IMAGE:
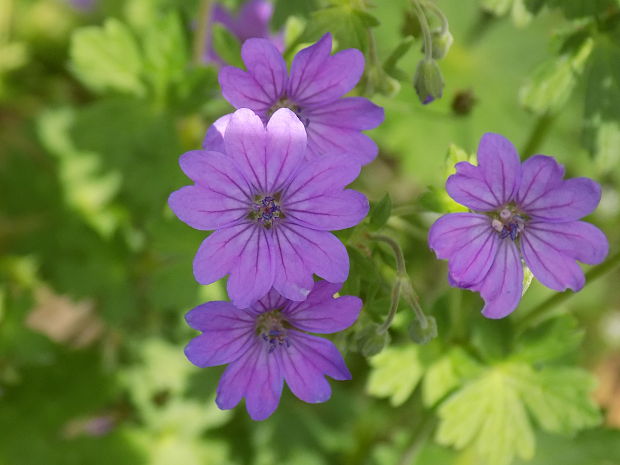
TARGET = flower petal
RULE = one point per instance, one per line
(322, 252)
(316, 77)
(550, 251)
(321, 312)
(218, 316)
(293, 277)
(253, 19)
(320, 177)
(491, 184)
(576, 239)
(286, 146)
(205, 209)
(329, 212)
(325, 139)
(253, 274)
(356, 113)
(266, 65)
(571, 200)
(214, 138)
(539, 175)
(241, 90)
(218, 253)
(502, 287)
(255, 376)
(245, 142)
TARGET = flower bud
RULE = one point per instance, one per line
(442, 41)
(428, 81)
(370, 341)
(423, 335)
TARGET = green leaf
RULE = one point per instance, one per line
(553, 82)
(348, 25)
(489, 415)
(395, 373)
(446, 374)
(226, 45)
(380, 213)
(107, 58)
(549, 341)
(581, 8)
(165, 53)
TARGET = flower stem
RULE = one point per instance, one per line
(200, 39)
(539, 132)
(435, 9)
(394, 301)
(548, 307)
(426, 31)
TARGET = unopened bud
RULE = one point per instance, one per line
(442, 41)
(423, 332)
(370, 341)
(428, 81)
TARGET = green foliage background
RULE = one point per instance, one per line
(96, 107)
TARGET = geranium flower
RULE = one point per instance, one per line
(521, 211)
(271, 209)
(251, 21)
(266, 344)
(313, 90)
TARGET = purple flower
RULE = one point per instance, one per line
(267, 344)
(271, 209)
(252, 21)
(313, 90)
(520, 211)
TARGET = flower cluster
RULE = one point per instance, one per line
(521, 212)
(270, 182)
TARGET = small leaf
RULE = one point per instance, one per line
(395, 373)
(226, 45)
(380, 213)
(107, 58)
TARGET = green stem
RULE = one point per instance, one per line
(539, 132)
(426, 31)
(200, 39)
(445, 26)
(422, 433)
(394, 301)
(401, 270)
(549, 307)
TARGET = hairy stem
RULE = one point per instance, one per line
(426, 31)
(394, 301)
(200, 38)
(549, 307)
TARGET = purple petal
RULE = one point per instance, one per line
(321, 312)
(253, 274)
(286, 146)
(539, 175)
(503, 285)
(322, 176)
(215, 171)
(305, 364)
(206, 209)
(571, 200)
(253, 20)
(577, 239)
(228, 334)
(255, 376)
(214, 139)
(241, 90)
(220, 14)
(356, 113)
(266, 65)
(322, 252)
(293, 278)
(244, 252)
(272, 300)
(329, 212)
(316, 77)
(491, 184)
(324, 139)
(550, 251)
(245, 142)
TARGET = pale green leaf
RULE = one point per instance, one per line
(107, 58)
(446, 374)
(395, 373)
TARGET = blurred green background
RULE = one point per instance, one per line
(98, 100)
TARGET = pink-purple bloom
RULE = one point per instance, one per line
(520, 212)
(268, 344)
(313, 90)
(251, 21)
(271, 208)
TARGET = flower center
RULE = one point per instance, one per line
(266, 210)
(271, 327)
(509, 222)
(284, 102)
